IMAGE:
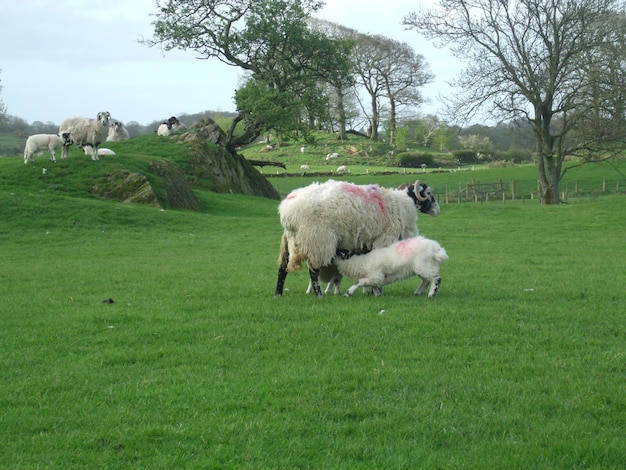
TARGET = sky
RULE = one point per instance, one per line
(67, 58)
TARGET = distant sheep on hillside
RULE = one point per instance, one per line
(38, 143)
(117, 132)
(170, 127)
(84, 131)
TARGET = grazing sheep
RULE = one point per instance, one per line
(38, 143)
(332, 156)
(343, 169)
(417, 256)
(117, 132)
(85, 131)
(320, 219)
(170, 127)
(305, 167)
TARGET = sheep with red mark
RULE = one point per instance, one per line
(38, 143)
(416, 256)
(322, 218)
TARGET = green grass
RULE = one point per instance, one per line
(518, 363)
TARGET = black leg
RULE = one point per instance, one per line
(315, 281)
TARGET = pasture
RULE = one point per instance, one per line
(518, 363)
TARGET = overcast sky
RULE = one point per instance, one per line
(77, 57)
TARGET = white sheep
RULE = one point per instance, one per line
(343, 169)
(117, 132)
(170, 127)
(38, 143)
(85, 131)
(332, 156)
(320, 219)
(88, 149)
(417, 256)
(305, 167)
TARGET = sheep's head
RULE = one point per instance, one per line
(422, 196)
(104, 118)
(117, 125)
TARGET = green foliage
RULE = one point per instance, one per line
(465, 156)
(196, 363)
(415, 160)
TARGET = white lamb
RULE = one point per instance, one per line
(343, 169)
(38, 143)
(85, 132)
(320, 219)
(417, 256)
(117, 132)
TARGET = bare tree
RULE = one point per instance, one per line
(530, 59)
(403, 73)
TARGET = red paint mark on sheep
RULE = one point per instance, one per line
(408, 247)
(370, 194)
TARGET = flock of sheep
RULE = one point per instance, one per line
(88, 134)
(364, 232)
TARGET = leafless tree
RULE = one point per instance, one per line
(536, 59)
(3, 108)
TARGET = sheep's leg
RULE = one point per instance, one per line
(282, 275)
(434, 288)
(422, 287)
(315, 281)
(363, 282)
(94, 155)
(53, 157)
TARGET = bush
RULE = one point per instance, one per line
(518, 156)
(415, 160)
(465, 156)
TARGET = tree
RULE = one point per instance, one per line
(3, 108)
(268, 38)
(403, 73)
(531, 59)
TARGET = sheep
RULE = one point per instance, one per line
(305, 167)
(38, 143)
(170, 127)
(85, 131)
(88, 149)
(319, 219)
(343, 169)
(117, 132)
(332, 156)
(416, 256)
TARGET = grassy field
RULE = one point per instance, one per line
(518, 363)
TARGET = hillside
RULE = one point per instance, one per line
(149, 169)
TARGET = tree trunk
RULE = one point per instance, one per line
(392, 121)
(548, 174)
(341, 114)
(374, 120)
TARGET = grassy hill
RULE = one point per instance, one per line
(136, 337)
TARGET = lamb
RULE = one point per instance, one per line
(85, 132)
(343, 169)
(117, 132)
(38, 143)
(320, 219)
(417, 256)
(88, 149)
(170, 127)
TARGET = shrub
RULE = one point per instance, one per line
(415, 160)
(465, 156)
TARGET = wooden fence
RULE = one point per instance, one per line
(476, 191)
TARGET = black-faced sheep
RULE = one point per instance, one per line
(38, 143)
(320, 219)
(85, 132)
(117, 132)
(170, 127)
(417, 256)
